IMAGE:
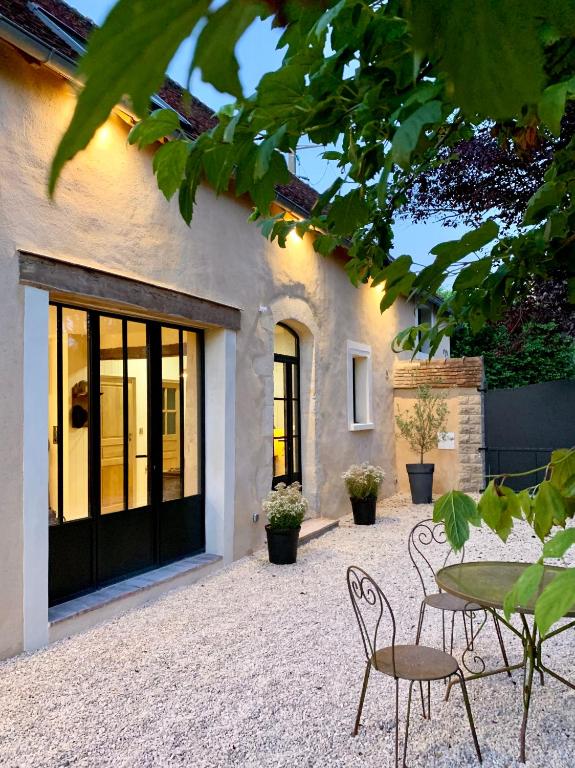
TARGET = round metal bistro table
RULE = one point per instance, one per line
(485, 584)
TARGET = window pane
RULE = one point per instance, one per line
(284, 342)
(279, 389)
(279, 458)
(75, 412)
(279, 418)
(137, 415)
(52, 416)
(192, 411)
(172, 470)
(111, 415)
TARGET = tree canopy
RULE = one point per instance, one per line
(391, 87)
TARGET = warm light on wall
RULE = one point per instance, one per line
(294, 237)
(102, 136)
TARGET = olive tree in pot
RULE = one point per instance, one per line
(285, 508)
(362, 482)
(421, 427)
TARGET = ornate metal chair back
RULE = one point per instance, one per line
(430, 551)
(373, 613)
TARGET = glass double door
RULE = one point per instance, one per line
(125, 447)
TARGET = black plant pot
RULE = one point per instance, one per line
(282, 545)
(420, 482)
(364, 511)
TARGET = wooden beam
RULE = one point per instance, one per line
(93, 288)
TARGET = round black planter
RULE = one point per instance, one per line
(420, 482)
(363, 511)
(282, 545)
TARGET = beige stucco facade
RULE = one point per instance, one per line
(108, 214)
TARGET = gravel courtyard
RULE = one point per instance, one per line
(261, 665)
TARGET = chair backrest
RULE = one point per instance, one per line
(430, 551)
(372, 611)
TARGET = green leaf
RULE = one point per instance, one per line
(407, 135)
(547, 197)
(324, 244)
(470, 242)
(559, 544)
(551, 106)
(473, 275)
(162, 122)
(170, 165)
(265, 151)
(218, 162)
(215, 50)
(557, 599)
(456, 510)
(193, 175)
(527, 504)
(127, 55)
(490, 506)
(347, 213)
(491, 53)
(549, 509)
(562, 468)
(523, 590)
(263, 191)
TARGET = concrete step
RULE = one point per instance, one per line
(317, 526)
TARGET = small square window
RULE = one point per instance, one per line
(359, 385)
(424, 315)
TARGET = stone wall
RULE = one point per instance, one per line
(460, 381)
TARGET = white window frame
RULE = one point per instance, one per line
(363, 351)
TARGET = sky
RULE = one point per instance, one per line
(257, 54)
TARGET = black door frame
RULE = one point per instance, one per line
(169, 530)
(290, 363)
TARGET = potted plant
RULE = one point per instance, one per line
(362, 482)
(285, 508)
(421, 428)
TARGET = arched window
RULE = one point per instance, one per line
(287, 454)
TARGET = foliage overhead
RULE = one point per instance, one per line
(421, 425)
(547, 507)
(394, 86)
(515, 353)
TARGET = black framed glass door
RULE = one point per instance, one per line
(125, 447)
(286, 440)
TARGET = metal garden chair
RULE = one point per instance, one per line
(429, 551)
(415, 663)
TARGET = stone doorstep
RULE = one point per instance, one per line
(315, 527)
(136, 586)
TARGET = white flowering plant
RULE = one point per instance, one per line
(363, 480)
(285, 506)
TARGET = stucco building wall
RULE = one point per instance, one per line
(109, 214)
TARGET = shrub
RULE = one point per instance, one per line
(363, 480)
(285, 506)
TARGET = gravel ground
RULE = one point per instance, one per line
(261, 665)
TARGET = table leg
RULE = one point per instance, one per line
(531, 654)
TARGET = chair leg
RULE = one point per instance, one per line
(452, 626)
(501, 643)
(407, 724)
(420, 623)
(396, 723)
(422, 700)
(362, 697)
(459, 674)
(443, 630)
